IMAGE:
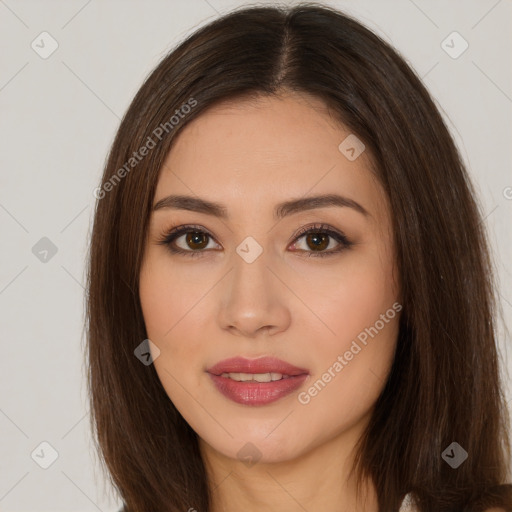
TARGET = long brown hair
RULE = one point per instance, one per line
(444, 385)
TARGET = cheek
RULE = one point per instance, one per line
(167, 293)
(173, 307)
(167, 300)
(359, 301)
(352, 296)
(359, 305)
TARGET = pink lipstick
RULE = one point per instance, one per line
(256, 381)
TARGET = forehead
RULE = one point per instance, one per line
(292, 126)
(266, 149)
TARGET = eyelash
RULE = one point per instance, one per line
(169, 237)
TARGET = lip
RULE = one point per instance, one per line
(260, 365)
(256, 393)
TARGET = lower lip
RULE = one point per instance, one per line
(257, 393)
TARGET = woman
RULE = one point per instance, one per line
(290, 297)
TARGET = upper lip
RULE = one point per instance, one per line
(261, 365)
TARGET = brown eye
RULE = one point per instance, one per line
(189, 240)
(317, 241)
(196, 240)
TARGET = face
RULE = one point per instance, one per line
(311, 284)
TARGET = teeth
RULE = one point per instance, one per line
(258, 377)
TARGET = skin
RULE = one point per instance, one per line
(307, 311)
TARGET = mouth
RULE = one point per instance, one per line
(256, 377)
(256, 381)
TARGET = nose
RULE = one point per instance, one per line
(253, 299)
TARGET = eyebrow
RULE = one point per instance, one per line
(195, 204)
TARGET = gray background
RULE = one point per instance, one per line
(58, 119)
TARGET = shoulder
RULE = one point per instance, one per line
(409, 506)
